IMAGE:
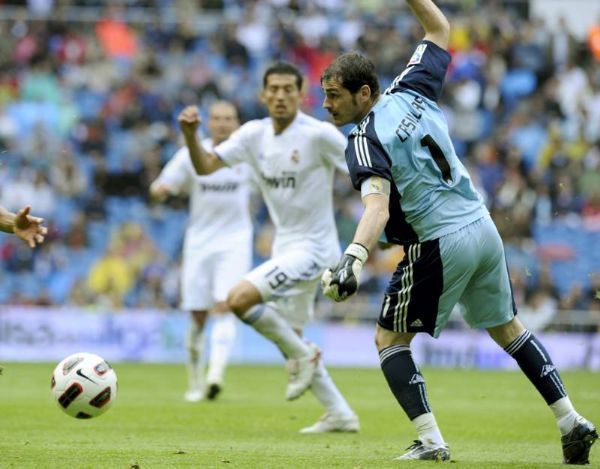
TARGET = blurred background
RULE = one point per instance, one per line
(90, 91)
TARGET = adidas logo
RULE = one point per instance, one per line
(416, 379)
(416, 323)
(547, 369)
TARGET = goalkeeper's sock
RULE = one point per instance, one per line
(267, 321)
(408, 386)
(222, 338)
(535, 362)
(195, 347)
(565, 414)
(327, 392)
(428, 430)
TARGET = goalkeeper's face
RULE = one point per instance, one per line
(344, 106)
(281, 96)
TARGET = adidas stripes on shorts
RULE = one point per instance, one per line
(467, 266)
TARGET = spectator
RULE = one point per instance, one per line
(66, 176)
(593, 40)
(111, 277)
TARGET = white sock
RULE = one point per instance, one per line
(222, 338)
(270, 324)
(327, 393)
(428, 430)
(195, 347)
(565, 415)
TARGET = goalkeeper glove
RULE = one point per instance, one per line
(342, 282)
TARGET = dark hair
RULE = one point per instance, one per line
(283, 68)
(353, 70)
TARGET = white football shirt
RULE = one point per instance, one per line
(219, 202)
(294, 171)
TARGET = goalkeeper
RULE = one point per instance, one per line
(418, 194)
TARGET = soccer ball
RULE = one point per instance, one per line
(84, 385)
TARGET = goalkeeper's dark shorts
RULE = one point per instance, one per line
(467, 266)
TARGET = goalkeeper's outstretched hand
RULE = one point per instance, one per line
(342, 282)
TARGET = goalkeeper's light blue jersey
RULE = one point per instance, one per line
(405, 140)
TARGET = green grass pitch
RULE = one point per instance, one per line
(490, 419)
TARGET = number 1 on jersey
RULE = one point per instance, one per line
(438, 156)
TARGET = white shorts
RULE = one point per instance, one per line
(209, 275)
(288, 282)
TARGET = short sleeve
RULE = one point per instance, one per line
(177, 172)
(425, 72)
(365, 156)
(332, 145)
(234, 150)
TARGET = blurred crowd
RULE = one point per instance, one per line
(89, 94)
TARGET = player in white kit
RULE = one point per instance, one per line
(292, 158)
(217, 250)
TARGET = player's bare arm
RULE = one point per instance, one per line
(7, 220)
(203, 161)
(159, 191)
(342, 282)
(373, 221)
(27, 227)
(435, 24)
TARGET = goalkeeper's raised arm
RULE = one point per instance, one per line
(204, 162)
(435, 24)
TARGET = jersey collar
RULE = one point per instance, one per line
(380, 103)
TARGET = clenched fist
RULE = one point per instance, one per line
(189, 120)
